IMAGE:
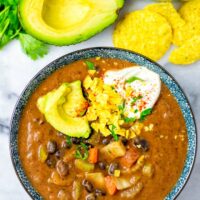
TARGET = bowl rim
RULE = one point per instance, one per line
(35, 194)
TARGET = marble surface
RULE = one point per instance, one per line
(16, 69)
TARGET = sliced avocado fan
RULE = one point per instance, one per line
(65, 22)
(61, 108)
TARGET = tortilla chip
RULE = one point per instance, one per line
(188, 53)
(144, 32)
(190, 12)
(168, 11)
(184, 33)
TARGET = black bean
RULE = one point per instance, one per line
(141, 143)
(62, 168)
(105, 141)
(60, 153)
(65, 145)
(99, 192)
(88, 186)
(51, 162)
(136, 140)
(76, 140)
(102, 165)
(112, 168)
(124, 141)
(144, 145)
(51, 146)
(90, 197)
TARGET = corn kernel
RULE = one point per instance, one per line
(117, 173)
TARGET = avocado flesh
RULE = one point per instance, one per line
(64, 22)
(52, 105)
(76, 104)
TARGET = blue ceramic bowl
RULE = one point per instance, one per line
(107, 53)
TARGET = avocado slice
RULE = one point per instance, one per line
(65, 22)
(54, 104)
(76, 104)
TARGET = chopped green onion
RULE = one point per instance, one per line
(112, 130)
(82, 151)
(90, 65)
(132, 79)
(144, 113)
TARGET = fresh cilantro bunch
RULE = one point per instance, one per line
(10, 28)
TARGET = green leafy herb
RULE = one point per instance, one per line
(10, 28)
(32, 47)
(129, 119)
(82, 151)
(112, 130)
(136, 111)
(132, 79)
(135, 99)
(68, 140)
(90, 65)
(9, 22)
(144, 113)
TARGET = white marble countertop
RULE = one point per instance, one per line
(16, 70)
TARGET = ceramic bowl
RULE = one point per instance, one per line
(107, 53)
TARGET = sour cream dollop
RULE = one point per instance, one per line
(139, 86)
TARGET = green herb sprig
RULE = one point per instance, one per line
(144, 113)
(122, 107)
(112, 131)
(129, 119)
(90, 65)
(132, 79)
(136, 99)
(10, 28)
(68, 140)
(32, 47)
(82, 151)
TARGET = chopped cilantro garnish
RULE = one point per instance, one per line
(144, 113)
(129, 119)
(136, 111)
(68, 140)
(112, 130)
(122, 106)
(81, 151)
(112, 87)
(133, 78)
(135, 99)
(90, 65)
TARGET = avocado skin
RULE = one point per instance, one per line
(52, 106)
(61, 40)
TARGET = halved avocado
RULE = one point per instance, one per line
(52, 105)
(65, 22)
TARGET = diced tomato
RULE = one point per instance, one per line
(129, 158)
(110, 185)
(93, 155)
